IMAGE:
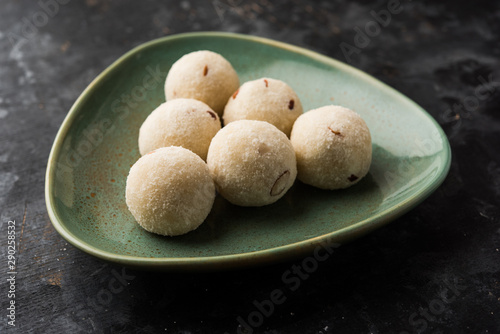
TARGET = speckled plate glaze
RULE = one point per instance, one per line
(97, 144)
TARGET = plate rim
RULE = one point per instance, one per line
(243, 259)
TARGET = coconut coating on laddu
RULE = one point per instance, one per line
(333, 147)
(264, 99)
(170, 191)
(181, 122)
(202, 75)
(252, 163)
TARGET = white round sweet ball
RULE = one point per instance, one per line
(170, 191)
(333, 147)
(181, 122)
(252, 163)
(202, 75)
(264, 99)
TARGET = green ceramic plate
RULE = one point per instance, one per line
(97, 144)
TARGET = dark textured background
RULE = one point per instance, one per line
(435, 270)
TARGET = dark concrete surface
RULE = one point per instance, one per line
(435, 270)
